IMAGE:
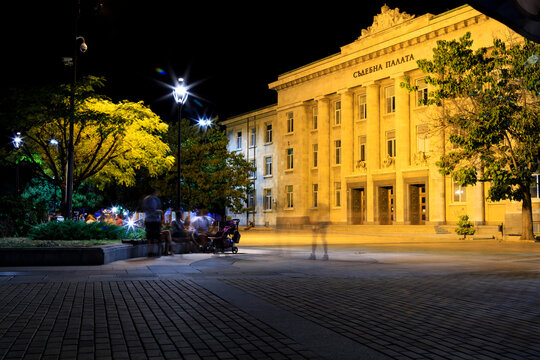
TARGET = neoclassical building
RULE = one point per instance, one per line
(346, 143)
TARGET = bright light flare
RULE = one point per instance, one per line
(180, 92)
(53, 142)
(130, 224)
(17, 140)
(204, 123)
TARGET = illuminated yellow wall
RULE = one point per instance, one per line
(382, 57)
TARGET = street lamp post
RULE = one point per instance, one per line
(17, 142)
(180, 95)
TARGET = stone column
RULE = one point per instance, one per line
(437, 187)
(403, 146)
(323, 134)
(347, 148)
(373, 146)
(476, 203)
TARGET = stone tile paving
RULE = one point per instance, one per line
(460, 316)
(161, 319)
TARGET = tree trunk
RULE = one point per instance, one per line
(526, 216)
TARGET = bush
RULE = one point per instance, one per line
(75, 230)
(17, 216)
(465, 227)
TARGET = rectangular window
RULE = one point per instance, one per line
(251, 199)
(421, 92)
(315, 155)
(362, 107)
(390, 99)
(268, 134)
(337, 113)
(337, 145)
(337, 189)
(391, 143)
(315, 121)
(253, 138)
(290, 122)
(268, 166)
(535, 186)
(253, 174)
(460, 193)
(267, 199)
(362, 143)
(315, 196)
(290, 159)
(289, 192)
(239, 140)
(422, 138)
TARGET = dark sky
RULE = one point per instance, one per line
(231, 51)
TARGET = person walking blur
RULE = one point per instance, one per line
(153, 217)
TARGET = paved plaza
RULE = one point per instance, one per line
(420, 299)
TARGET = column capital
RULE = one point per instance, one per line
(398, 76)
(345, 91)
(322, 98)
(371, 83)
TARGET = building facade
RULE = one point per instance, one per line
(352, 146)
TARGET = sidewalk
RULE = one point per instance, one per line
(390, 300)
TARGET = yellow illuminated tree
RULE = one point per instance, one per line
(111, 140)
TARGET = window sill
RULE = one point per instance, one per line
(288, 209)
(289, 170)
(267, 210)
(289, 133)
(267, 176)
(268, 143)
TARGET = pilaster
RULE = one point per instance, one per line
(403, 145)
(373, 146)
(323, 134)
(347, 147)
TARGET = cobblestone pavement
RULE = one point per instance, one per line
(394, 302)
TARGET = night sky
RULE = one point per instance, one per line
(228, 51)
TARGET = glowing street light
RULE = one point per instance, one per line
(17, 140)
(180, 95)
(204, 123)
(17, 143)
(180, 92)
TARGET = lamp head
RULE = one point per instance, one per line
(17, 140)
(180, 92)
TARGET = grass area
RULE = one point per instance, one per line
(28, 243)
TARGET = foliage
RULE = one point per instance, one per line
(465, 227)
(212, 177)
(111, 140)
(17, 216)
(490, 107)
(27, 243)
(43, 192)
(76, 230)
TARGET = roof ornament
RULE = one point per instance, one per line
(386, 19)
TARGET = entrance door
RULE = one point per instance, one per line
(418, 204)
(358, 209)
(386, 205)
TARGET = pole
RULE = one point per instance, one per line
(179, 189)
(68, 201)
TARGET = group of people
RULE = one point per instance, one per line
(195, 233)
(117, 219)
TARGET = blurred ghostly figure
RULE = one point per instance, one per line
(319, 228)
